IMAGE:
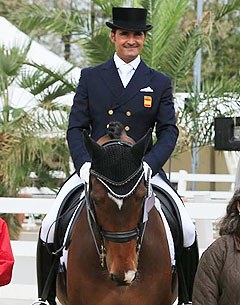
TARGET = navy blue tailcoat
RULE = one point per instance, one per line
(145, 103)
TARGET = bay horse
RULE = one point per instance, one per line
(113, 257)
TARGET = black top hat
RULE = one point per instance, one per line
(131, 19)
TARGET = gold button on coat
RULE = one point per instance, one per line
(127, 128)
(128, 113)
(110, 112)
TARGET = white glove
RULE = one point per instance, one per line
(85, 172)
(147, 170)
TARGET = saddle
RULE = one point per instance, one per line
(65, 213)
(186, 258)
(171, 212)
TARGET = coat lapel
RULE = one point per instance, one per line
(140, 79)
(111, 78)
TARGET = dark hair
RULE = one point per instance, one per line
(114, 31)
(230, 223)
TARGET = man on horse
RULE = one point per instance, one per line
(122, 89)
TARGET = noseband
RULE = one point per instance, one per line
(121, 237)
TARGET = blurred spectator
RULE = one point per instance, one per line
(217, 278)
(6, 255)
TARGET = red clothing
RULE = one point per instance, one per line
(6, 255)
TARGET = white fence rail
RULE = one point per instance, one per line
(24, 281)
(205, 208)
(183, 178)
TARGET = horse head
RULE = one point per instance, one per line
(116, 199)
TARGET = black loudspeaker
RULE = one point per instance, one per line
(227, 133)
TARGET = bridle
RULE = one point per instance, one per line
(117, 237)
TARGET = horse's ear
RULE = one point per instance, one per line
(93, 148)
(140, 148)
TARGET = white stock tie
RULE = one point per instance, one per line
(126, 73)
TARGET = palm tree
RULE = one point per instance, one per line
(31, 139)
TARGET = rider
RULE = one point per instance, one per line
(140, 98)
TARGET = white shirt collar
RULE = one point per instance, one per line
(134, 63)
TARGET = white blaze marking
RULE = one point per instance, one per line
(118, 201)
(130, 276)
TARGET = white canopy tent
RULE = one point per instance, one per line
(11, 36)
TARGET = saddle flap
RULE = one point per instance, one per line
(171, 212)
(65, 213)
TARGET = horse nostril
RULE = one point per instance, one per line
(114, 277)
(117, 279)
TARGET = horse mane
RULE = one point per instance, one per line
(115, 131)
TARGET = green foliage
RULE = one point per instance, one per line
(31, 139)
(7, 7)
(165, 16)
(225, 49)
(225, 10)
(39, 19)
(106, 6)
(11, 61)
(98, 48)
(46, 83)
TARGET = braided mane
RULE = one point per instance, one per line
(115, 130)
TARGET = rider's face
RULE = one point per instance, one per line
(128, 44)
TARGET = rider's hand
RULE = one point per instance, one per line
(84, 172)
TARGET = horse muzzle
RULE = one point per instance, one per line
(122, 262)
(124, 280)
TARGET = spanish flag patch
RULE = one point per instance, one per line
(147, 101)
